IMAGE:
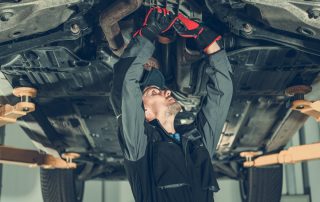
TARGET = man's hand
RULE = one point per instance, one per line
(205, 37)
(158, 20)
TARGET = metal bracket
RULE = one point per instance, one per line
(294, 154)
(72, 30)
(31, 158)
(10, 114)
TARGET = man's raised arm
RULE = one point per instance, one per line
(215, 106)
(126, 95)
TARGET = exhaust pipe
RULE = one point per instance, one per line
(109, 19)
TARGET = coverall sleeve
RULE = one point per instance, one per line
(126, 97)
(215, 106)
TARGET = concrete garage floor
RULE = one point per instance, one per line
(22, 184)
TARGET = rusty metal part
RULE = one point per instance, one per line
(109, 19)
(31, 158)
(164, 40)
(294, 154)
(190, 8)
(299, 89)
(10, 114)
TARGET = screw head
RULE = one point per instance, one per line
(247, 28)
(26, 109)
(314, 13)
(75, 29)
(300, 107)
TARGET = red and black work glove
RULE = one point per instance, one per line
(190, 29)
(158, 20)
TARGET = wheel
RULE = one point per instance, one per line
(61, 185)
(261, 184)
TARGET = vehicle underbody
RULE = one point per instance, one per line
(66, 50)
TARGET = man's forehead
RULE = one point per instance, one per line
(149, 88)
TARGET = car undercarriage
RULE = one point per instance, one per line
(66, 49)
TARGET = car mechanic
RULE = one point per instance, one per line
(165, 162)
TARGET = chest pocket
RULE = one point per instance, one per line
(169, 166)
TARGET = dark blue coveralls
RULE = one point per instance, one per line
(160, 168)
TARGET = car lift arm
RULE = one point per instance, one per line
(310, 108)
(30, 158)
(9, 155)
(294, 154)
(9, 113)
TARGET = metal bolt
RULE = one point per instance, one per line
(31, 55)
(247, 28)
(5, 16)
(95, 135)
(300, 107)
(101, 156)
(25, 109)
(314, 13)
(75, 29)
(110, 159)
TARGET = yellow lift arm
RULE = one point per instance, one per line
(9, 113)
(310, 108)
(9, 155)
(31, 158)
(294, 154)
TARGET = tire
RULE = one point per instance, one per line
(261, 184)
(61, 186)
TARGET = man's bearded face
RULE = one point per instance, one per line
(160, 101)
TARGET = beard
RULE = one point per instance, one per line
(174, 108)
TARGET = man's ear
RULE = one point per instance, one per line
(149, 115)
